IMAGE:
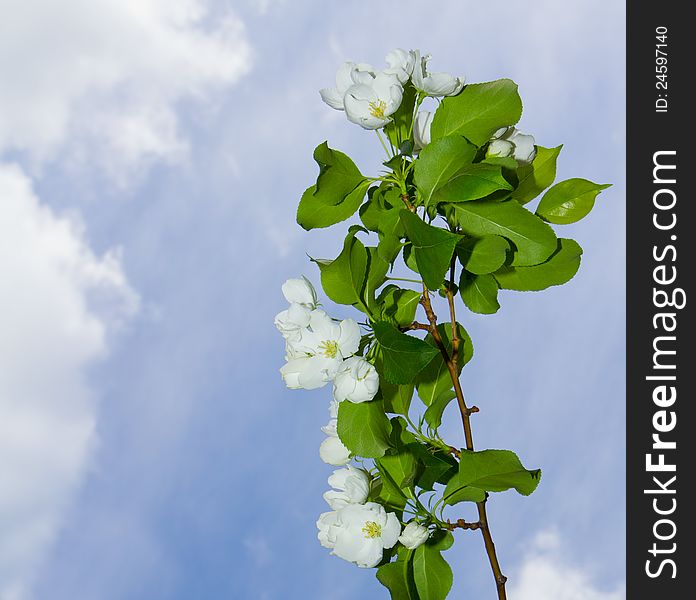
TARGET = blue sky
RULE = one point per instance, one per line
(151, 158)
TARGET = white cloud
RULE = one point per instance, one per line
(102, 79)
(545, 575)
(59, 301)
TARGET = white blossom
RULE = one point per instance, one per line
(348, 74)
(359, 533)
(329, 526)
(317, 352)
(433, 84)
(300, 291)
(400, 63)
(421, 129)
(333, 452)
(292, 321)
(356, 380)
(414, 535)
(371, 103)
(351, 486)
(509, 141)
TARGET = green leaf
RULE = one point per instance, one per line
(439, 161)
(435, 379)
(478, 111)
(457, 490)
(479, 293)
(557, 270)
(397, 305)
(397, 398)
(393, 576)
(381, 214)
(433, 248)
(471, 183)
(397, 576)
(338, 193)
(404, 356)
(537, 176)
(401, 467)
(399, 127)
(483, 255)
(496, 471)
(344, 278)
(364, 428)
(435, 466)
(533, 239)
(433, 414)
(377, 268)
(569, 201)
(410, 257)
(431, 573)
(504, 161)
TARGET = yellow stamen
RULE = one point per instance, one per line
(330, 348)
(377, 109)
(372, 530)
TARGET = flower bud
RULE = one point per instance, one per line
(414, 535)
(421, 129)
(500, 149)
(357, 381)
(351, 486)
(300, 291)
(333, 452)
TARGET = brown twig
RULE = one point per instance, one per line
(408, 203)
(465, 411)
(462, 524)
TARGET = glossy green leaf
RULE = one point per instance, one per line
(479, 293)
(569, 201)
(439, 161)
(397, 305)
(401, 467)
(397, 576)
(398, 129)
(404, 356)
(433, 248)
(431, 572)
(471, 183)
(364, 428)
(381, 214)
(435, 466)
(410, 257)
(435, 378)
(343, 279)
(557, 270)
(483, 255)
(478, 111)
(537, 176)
(393, 576)
(338, 193)
(433, 414)
(397, 398)
(458, 490)
(534, 241)
(496, 471)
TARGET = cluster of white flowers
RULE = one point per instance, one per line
(369, 97)
(319, 350)
(359, 531)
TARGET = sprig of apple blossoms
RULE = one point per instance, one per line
(447, 215)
